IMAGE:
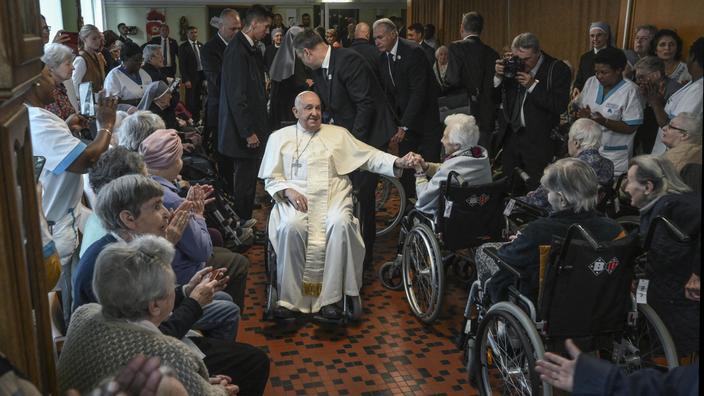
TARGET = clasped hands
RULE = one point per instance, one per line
(586, 112)
(412, 161)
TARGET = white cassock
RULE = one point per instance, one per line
(319, 253)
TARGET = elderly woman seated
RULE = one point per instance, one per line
(572, 188)
(136, 127)
(583, 143)
(131, 206)
(134, 284)
(162, 152)
(683, 139)
(672, 267)
(158, 99)
(59, 61)
(462, 156)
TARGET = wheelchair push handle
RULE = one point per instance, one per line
(453, 176)
(674, 230)
(530, 208)
(578, 228)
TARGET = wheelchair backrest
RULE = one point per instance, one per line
(470, 215)
(586, 291)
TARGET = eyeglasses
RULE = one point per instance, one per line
(669, 126)
(47, 28)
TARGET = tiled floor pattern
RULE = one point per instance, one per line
(388, 353)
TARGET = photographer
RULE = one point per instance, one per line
(534, 91)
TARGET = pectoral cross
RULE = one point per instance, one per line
(294, 167)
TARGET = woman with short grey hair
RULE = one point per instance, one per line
(572, 192)
(153, 56)
(583, 143)
(672, 266)
(134, 284)
(463, 156)
(59, 61)
(137, 127)
(683, 139)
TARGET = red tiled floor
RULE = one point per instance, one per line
(389, 352)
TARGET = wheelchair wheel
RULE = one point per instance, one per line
(354, 307)
(647, 344)
(272, 295)
(389, 211)
(390, 275)
(506, 350)
(423, 274)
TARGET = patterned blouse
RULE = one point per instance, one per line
(603, 167)
(62, 106)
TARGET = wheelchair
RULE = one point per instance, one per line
(467, 217)
(580, 295)
(351, 305)
(389, 212)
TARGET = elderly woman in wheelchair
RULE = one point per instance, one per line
(672, 264)
(565, 276)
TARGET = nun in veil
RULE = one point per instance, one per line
(158, 99)
(289, 77)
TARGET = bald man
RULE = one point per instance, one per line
(363, 45)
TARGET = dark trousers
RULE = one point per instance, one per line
(237, 268)
(428, 145)
(193, 96)
(364, 184)
(248, 366)
(519, 154)
(226, 168)
(245, 185)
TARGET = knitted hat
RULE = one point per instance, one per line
(161, 149)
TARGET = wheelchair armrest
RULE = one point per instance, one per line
(530, 208)
(674, 230)
(492, 253)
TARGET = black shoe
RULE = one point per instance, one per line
(284, 313)
(331, 312)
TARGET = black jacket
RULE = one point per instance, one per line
(269, 55)
(211, 58)
(471, 66)
(153, 72)
(354, 99)
(429, 52)
(188, 63)
(542, 107)
(173, 47)
(243, 100)
(414, 90)
(369, 53)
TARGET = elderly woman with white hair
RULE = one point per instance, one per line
(463, 156)
(683, 139)
(136, 127)
(672, 267)
(134, 284)
(572, 188)
(58, 59)
(583, 143)
(153, 55)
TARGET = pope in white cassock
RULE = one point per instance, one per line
(312, 229)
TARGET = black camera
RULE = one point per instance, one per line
(512, 66)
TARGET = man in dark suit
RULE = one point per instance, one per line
(471, 67)
(363, 46)
(169, 47)
(243, 124)
(353, 98)
(211, 57)
(416, 32)
(532, 103)
(191, 66)
(124, 31)
(412, 91)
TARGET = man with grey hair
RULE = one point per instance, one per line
(153, 62)
(655, 88)
(136, 127)
(471, 67)
(412, 91)
(355, 101)
(533, 99)
(319, 249)
(228, 24)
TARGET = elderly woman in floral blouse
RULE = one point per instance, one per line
(59, 61)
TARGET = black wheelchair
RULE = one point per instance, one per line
(467, 217)
(584, 292)
(351, 305)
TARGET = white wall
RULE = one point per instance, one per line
(137, 16)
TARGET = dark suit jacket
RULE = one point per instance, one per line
(269, 55)
(414, 95)
(211, 58)
(586, 69)
(542, 107)
(173, 47)
(354, 98)
(242, 100)
(153, 72)
(429, 52)
(369, 53)
(471, 67)
(188, 63)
